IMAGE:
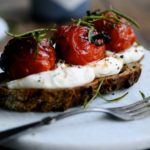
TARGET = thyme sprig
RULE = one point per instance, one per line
(82, 22)
(97, 91)
(92, 38)
(115, 99)
(92, 18)
(130, 20)
(90, 34)
(37, 34)
(142, 94)
(100, 15)
(125, 17)
(30, 33)
(98, 94)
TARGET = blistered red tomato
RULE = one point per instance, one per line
(121, 34)
(105, 24)
(122, 37)
(25, 56)
(73, 45)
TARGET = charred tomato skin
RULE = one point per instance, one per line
(122, 37)
(121, 34)
(73, 46)
(26, 56)
(105, 24)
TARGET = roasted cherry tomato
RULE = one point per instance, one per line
(73, 45)
(122, 37)
(25, 56)
(105, 24)
(121, 33)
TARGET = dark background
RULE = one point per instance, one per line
(17, 13)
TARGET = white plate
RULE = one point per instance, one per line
(92, 131)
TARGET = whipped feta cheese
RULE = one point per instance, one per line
(132, 54)
(62, 77)
(107, 66)
(69, 76)
(65, 76)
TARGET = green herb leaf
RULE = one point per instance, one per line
(124, 16)
(142, 94)
(86, 102)
(79, 22)
(115, 99)
(82, 22)
(100, 15)
(36, 52)
(37, 34)
(93, 17)
(90, 34)
(97, 93)
(90, 25)
(42, 30)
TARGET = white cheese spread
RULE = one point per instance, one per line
(58, 78)
(132, 54)
(65, 76)
(69, 76)
(107, 66)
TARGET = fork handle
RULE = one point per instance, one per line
(14, 132)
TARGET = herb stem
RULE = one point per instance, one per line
(126, 17)
(142, 94)
(95, 95)
(82, 22)
(29, 32)
(42, 30)
(101, 16)
(93, 17)
(79, 22)
(115, 99)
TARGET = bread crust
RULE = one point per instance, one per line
(44, 100)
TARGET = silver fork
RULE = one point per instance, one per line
(137, 110)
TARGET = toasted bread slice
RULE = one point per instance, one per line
(45, 100)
